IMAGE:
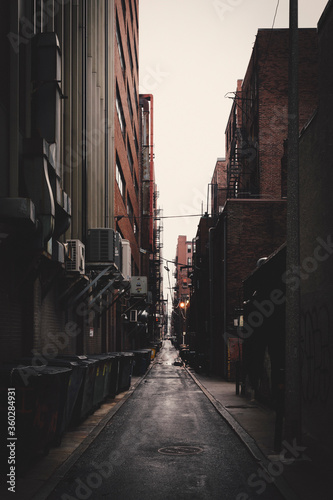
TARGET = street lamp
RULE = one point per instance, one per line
(184, 305)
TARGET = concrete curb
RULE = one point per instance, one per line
(62, 470)
(248, 441)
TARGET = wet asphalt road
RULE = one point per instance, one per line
(166, 442)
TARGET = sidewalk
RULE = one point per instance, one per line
(305, 475)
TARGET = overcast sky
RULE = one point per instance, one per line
(191, 54)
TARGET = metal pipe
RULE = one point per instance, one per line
(150, 98)
(293, 373)
(211, 296)
(225, 333)
(14, 105)
(106, 87)
(84, 121)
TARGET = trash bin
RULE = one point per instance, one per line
(125, 371)
(40, 402)
(74, 385)
(84, 402)
(114, 375)
(141, 361)
(103, 369)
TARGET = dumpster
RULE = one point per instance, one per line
(40, 401)
(84, 402)
(102, 377)
(114, 375)
(125, 370)
(74, 385)
(141, 362)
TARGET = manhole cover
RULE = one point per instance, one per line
(180, 450)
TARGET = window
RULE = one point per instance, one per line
(135, 137)
(130, 109)
(136, 96)
(136, 185)
(131, 10)
(130, 210)
(189, 248)
(129, 156)
(129, 51)
(189, 261)
(123, 4)
(120, 46)
(120, 112)
(120, 178)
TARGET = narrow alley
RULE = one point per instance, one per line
(167, 441)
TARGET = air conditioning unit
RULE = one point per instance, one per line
(126, 264)
(101, 245)
(75, 262)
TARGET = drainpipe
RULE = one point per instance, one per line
(225, 334)
(211, 296)
(14, 104)
(150, 98)
(84, 121)
(293, 427)
(106, 152)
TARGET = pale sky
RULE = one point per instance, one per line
(191, 54)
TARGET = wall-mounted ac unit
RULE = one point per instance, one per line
(126, 264)
(75, 262)
(101, 245)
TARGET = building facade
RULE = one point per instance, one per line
(252, 223)
(70, 192)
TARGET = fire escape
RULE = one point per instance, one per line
(241, 168)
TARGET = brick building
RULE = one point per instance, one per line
(70, 179)
(151, 226)
(218, 187)
(184, 255)
(252, 223)
(258, 122)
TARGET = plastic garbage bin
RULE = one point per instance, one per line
(74, 385)
(40, 400)
(84, 402)
(73, 389)
(103, 369)
(125, 371)
(142, 358)
(114, 375)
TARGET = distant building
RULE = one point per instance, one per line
(184, 266)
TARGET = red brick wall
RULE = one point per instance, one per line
(255, 229)
(128, 84)
(265, 89)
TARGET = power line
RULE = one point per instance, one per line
(156, 217)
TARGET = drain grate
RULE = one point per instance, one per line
(181, 450)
